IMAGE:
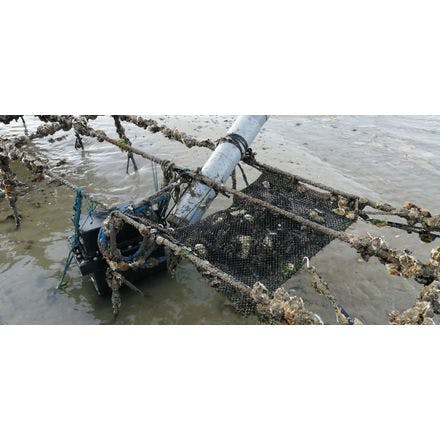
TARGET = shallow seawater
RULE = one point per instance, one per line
(389, 158)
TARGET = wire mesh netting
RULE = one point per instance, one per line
(253, 244)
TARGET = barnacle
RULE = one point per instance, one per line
(282, 307)
(342, 202)
(432, 222)
(267, 241)
(339, 211)
(413, 210)
(431, 294)
(408, 266)
(319, 284)
(344, 208)
(288, 269)
(281, 294)
(276, 309)
(296, 313)
(409, 205)
(313, 215)
(393, 269)
(201, 250)
(378, 223)
(218, 220)
(245, 241)
(238, 212)
(260, 294)
(122, 144)
(426, 237)
(435, 255)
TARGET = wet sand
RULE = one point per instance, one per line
(389, 158)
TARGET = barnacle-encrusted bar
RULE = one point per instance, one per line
(170, 133)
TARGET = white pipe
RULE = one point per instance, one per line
(218, 167)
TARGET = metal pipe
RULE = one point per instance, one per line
(218, 167)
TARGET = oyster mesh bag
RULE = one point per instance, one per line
(253, 244)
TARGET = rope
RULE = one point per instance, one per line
(424, 235)
(26, 132)
(69, 259)
(77, 206)
(114, 282)
(234, 179)
(78, 142)
(321, 288)
(80, 124)
(237, 140)
(8, 184)
(122, 136)
(243, 174)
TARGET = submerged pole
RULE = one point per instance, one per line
(218, 167)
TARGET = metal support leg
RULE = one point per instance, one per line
(219, 167)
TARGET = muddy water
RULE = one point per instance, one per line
(392, 158)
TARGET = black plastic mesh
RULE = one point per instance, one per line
(252, 244)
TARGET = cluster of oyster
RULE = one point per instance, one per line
(397, 262)
(415, 214)
(316, 215)
(431, 294)
(282, 307)
(346, 208)
(405, 266)
(114, 281)
(421, 313)
(200, 250)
